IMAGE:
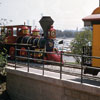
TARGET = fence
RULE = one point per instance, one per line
(61, 64)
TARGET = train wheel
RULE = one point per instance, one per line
(12, 52)
(23, 52)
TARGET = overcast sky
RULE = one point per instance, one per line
(67, 14)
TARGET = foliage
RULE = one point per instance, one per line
(3, 52)
(82, 38)
(3, 57)
(2, 38)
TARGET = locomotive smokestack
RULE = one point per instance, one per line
(46, 22)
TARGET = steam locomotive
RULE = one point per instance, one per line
(23, 36)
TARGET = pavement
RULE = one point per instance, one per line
(38, 69)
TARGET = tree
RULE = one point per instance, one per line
(82, 38)
(3, 52)
(3, 58)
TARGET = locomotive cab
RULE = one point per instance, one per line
(12, 32)
(9, 36)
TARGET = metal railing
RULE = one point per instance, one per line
(61, 64)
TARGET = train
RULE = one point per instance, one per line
(24, 37)
(93, 20)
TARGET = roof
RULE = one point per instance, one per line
(15, 26)
(96, 11)
(35, 30)
(93, 17)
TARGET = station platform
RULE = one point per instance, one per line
(33, 85)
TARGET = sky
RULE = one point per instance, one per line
(67, 14)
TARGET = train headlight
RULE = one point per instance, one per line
(53, 34)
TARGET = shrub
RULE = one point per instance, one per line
(3, 57)
(82, 38)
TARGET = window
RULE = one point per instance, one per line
(5, 30)
(14, 31)
(9, 32)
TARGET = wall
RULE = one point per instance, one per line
(28, 86)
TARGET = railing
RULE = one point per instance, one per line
(61, 64)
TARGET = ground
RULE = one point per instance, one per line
(3, 93)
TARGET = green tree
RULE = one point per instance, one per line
(3, 58)
(3, 53)
(82, 38)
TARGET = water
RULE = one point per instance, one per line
(65, 46)
(68, 59)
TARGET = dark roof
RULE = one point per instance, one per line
(15, 26)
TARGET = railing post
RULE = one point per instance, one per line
(28, 59)
(82, 68)
(15, 56)
(61, 66)
(43, 63)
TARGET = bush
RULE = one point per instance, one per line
(3, 57)
(82, 38)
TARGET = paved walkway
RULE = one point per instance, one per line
(37, 69)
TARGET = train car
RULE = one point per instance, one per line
(24, 36)
(94, 21)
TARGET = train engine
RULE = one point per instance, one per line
(22, 36)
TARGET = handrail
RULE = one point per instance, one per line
(61, 64)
